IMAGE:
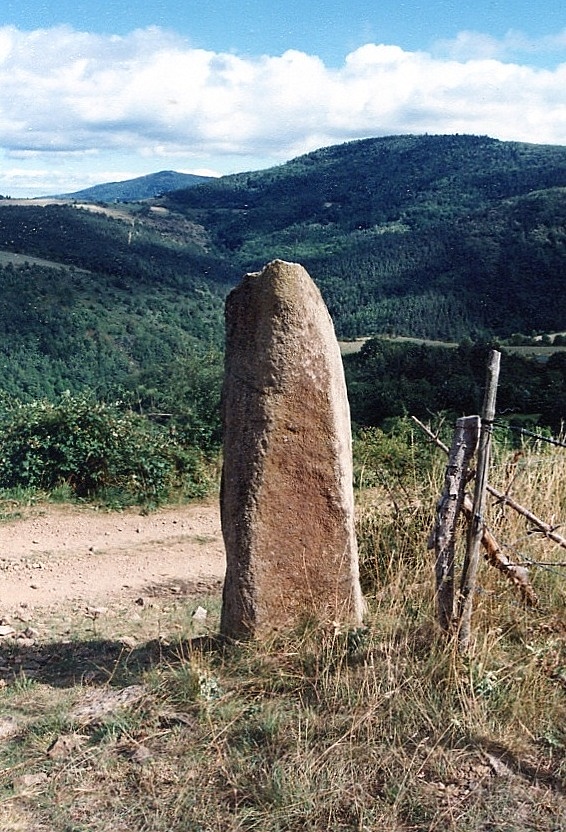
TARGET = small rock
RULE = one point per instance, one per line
(27, 781)
(89, 676)
(100, 703)
(128, 642)
(200, 614)
(25, 642)
(31, 632)
(65, 746)
(141, 755)
(169, 719)
(6, 630)
(31, 665)
(8, 727)
(140, 602)
(96, 612)
(498, 766)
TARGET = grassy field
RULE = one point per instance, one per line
(383, 728)
(8, 258)
(540, 351)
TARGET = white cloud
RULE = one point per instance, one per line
(78, 104)
(514, 45)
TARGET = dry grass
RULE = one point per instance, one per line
(385, 728)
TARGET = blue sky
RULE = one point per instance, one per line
(329, 29)
(94, 92)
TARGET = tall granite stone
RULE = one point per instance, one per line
(287, 503)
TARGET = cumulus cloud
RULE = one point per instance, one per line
(74, 96)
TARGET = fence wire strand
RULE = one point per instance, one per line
(531, 434)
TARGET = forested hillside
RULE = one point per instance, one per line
(435, 236)
(91, 301)
(111, 316)
(444, 237)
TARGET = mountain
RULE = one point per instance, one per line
(441, 237)
(142, 187)
(436, 236)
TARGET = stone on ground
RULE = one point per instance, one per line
(287, 502)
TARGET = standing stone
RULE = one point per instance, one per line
(287, 502)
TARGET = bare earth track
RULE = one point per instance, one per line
(60, 560)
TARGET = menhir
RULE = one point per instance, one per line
(287, 502)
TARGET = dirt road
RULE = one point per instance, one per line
(61, 558)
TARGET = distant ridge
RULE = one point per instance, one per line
(452, 238)
(142, 187)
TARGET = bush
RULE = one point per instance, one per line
(95, 449)
(392, 457)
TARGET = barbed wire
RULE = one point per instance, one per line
(525, 560)
(525, 432)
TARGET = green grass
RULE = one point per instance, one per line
(538, 352)
(8, 258)
(541, 351)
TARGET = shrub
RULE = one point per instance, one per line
(396, 455)
(95, 449)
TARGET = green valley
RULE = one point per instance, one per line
(459, 239)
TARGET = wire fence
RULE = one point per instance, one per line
(514, 550)
(537, 476)
(551, 440)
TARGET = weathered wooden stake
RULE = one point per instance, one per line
(475, 530)
(548, 530)
(515, 572)
(464, 444)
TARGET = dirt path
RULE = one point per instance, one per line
(59, 559)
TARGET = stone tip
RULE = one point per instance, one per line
(276, 265)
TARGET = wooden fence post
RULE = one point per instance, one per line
(464, 444)
(515, 572)
(475, 530)
(547, 530)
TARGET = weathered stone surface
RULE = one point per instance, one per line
(287, 500)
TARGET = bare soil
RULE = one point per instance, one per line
(58, 562)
